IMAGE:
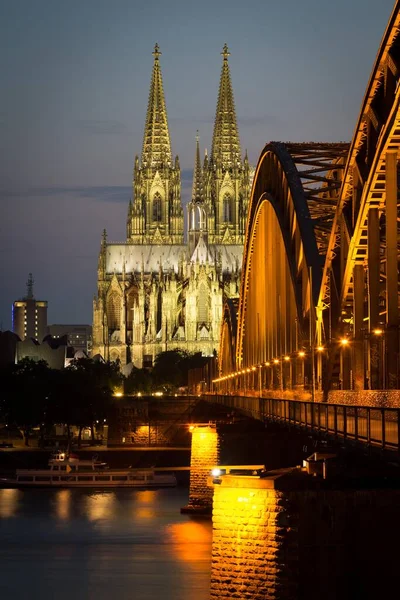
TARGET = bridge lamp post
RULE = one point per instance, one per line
(259, 380)
(320, 350)
(253, 387)
(286, 359)
(380, 335)
(345, 365)
(276, 363)
(301, 355)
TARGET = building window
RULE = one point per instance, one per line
(114, 311)
(157, 208)
(227, 209)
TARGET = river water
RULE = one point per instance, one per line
(117, 544)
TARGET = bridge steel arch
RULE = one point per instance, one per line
(291, 209)
(320, 274)
(226, 357)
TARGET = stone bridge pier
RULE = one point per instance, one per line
(289, 535)
(204, 456)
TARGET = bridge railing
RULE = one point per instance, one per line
(365, 424)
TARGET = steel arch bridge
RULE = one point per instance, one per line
(319, 299)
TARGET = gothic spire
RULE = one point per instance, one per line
(225, 144)
(197, 188)
(156, 142)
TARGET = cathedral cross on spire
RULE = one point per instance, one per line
(156, 52)
(225, 52)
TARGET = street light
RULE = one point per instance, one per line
(380, 334)
(301, 354)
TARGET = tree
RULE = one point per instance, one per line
(171, 367)
(138, 380)
(26, 395)
(32, 394)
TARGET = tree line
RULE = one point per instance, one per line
(34, 395)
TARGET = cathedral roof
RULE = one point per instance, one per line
(201, 253)
(225, 143)
(156, 142)
(132, 258)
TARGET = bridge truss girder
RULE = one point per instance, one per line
(360, 285)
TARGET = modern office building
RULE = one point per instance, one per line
(29, 316)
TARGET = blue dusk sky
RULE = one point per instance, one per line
(75, 80)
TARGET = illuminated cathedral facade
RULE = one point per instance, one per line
(157, 291)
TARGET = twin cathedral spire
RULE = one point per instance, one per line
(225, 144)
(156, 143)
(221, 185)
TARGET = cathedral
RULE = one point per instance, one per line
(161, 290)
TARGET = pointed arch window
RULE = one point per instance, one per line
(227, 215)
(157, 208)
(114, 311)
(197, 217)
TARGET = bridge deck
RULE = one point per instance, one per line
(368, 425)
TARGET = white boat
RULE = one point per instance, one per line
(68, 470)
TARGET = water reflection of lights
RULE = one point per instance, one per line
(190, 541)
(63, 504)
(100, 506)
(8, 503)
(146, 499)
(145, 512)
(146, 496)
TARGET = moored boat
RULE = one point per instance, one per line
(68, 470)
